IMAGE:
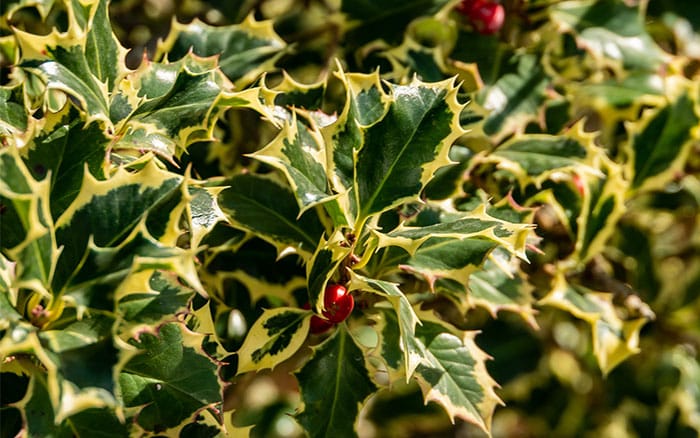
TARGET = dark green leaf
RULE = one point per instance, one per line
(515, 98)
(169, 378)
(663, 140)
(401, 151)
(269, 210)
(245, 50)
(334, 383)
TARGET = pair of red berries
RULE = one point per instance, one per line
(486, 16)
(338, 304)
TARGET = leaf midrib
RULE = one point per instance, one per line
(338, 370)
(364, 212)
(270, 211)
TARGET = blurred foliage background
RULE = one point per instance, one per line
(550, 381)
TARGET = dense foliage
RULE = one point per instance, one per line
(340, 217)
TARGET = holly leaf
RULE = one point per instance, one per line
(63, 149)
(609, 29)
(515, 98)
(173, 105)
(386, 156)
(275, 337)
(603, 205)
(27, 228)
(203, 211)
(661, 143)
(83, 62)
(405, 319)
(614, 338)
(299, 152)
(453, 374)
(170, 379)
(451, 245)
(334, 384)
(105, 54)
(108, 219)
(245, 50)
(151, 297)
(270, 211)
(500, 286)
(81, 357)
(535, 158)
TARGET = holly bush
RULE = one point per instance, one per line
(347, 217)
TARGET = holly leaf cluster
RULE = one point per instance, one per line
(381, 213)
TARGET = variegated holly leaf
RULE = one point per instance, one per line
(610, 30)
(614, 337)
(499, 285)
(450, 244)
(245, 50)
(660, 144)
(81, 357)
(64, 149)
(169, 379)
(275, 337)
(27, 228)
(387, 146)
(151, 297)
(263, 207)
(84, 62)
(334, 384)
(299, 152)
(15, 126)
(515, 98)
(167, 106)
(603, 205)
(536, 158)
(405, 320)
(203, 211)
(113, 226)
(292, 94)
(453, 374)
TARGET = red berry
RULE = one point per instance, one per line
(337, 302)
(320, 325)
(487, 17)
